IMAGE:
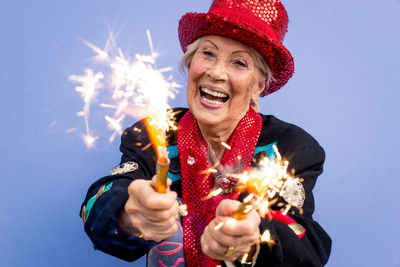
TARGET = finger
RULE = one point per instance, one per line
(169, 182)
(149, 198)
(134, 208)
(210, 246)
(162, 215)
(214, 249)
(241, 243)
(145, 225)
(159, 235)
(154, 181)
(248, 226)
(227, 207)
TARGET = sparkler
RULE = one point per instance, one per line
(136, 87)
(157, 134)
(264, 185)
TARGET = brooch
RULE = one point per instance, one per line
(293, 192)
(125, 167)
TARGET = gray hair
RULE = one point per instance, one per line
(259, 61)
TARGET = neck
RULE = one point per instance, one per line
(215, 135)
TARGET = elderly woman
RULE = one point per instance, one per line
(233, 55)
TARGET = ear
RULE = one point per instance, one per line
(256, 93)
(189, 63)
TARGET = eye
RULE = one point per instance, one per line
(207, 53)
(240, 63)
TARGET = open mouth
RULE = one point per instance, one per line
(213, 97)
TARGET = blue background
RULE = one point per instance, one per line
(344, 92)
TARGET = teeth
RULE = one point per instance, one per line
(212, 102)
(217, 94)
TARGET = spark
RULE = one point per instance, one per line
(229, 221)
(248, 198)
(90, 82)
(210, 170)
(136, 87)
(213, 193)
(266, 236)
(218, 226)
(145, 147)
(244, 258)
(70, 130)
(226, 145)
(89, 140)
(286, 209)
(264, 185)
(267, 239)
(101, 54)
(53, 123)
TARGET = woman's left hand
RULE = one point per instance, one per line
(235, 237)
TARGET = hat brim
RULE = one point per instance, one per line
(194, 25)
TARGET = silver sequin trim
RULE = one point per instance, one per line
(125, 167)
(293, 192)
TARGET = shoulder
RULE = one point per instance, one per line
(290, 139)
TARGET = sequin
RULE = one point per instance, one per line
(190, 160)
(125, 167)
(196, 186)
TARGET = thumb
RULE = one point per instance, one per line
(227, 207)
(154, 181)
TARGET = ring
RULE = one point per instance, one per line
(228, 251)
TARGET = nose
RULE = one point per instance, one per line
(217, 71)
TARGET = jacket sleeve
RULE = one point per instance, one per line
(107, 197)
(306, 157)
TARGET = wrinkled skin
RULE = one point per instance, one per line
(239, 234)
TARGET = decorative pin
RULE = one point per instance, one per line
(297, 228)
(182, 210)
(83, 214)
(125, 167)
(190, 160)
(293, 192)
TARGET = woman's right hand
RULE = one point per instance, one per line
(148, 212)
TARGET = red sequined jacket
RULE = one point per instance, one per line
(107, 196)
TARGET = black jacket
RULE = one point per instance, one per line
(107, 196)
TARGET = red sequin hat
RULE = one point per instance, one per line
(261, 24)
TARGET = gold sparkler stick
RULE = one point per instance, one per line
(162, 170)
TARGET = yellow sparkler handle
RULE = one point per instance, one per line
(242, 211)
(245, 207)
(162, 174)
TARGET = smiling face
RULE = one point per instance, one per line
(222, 80)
